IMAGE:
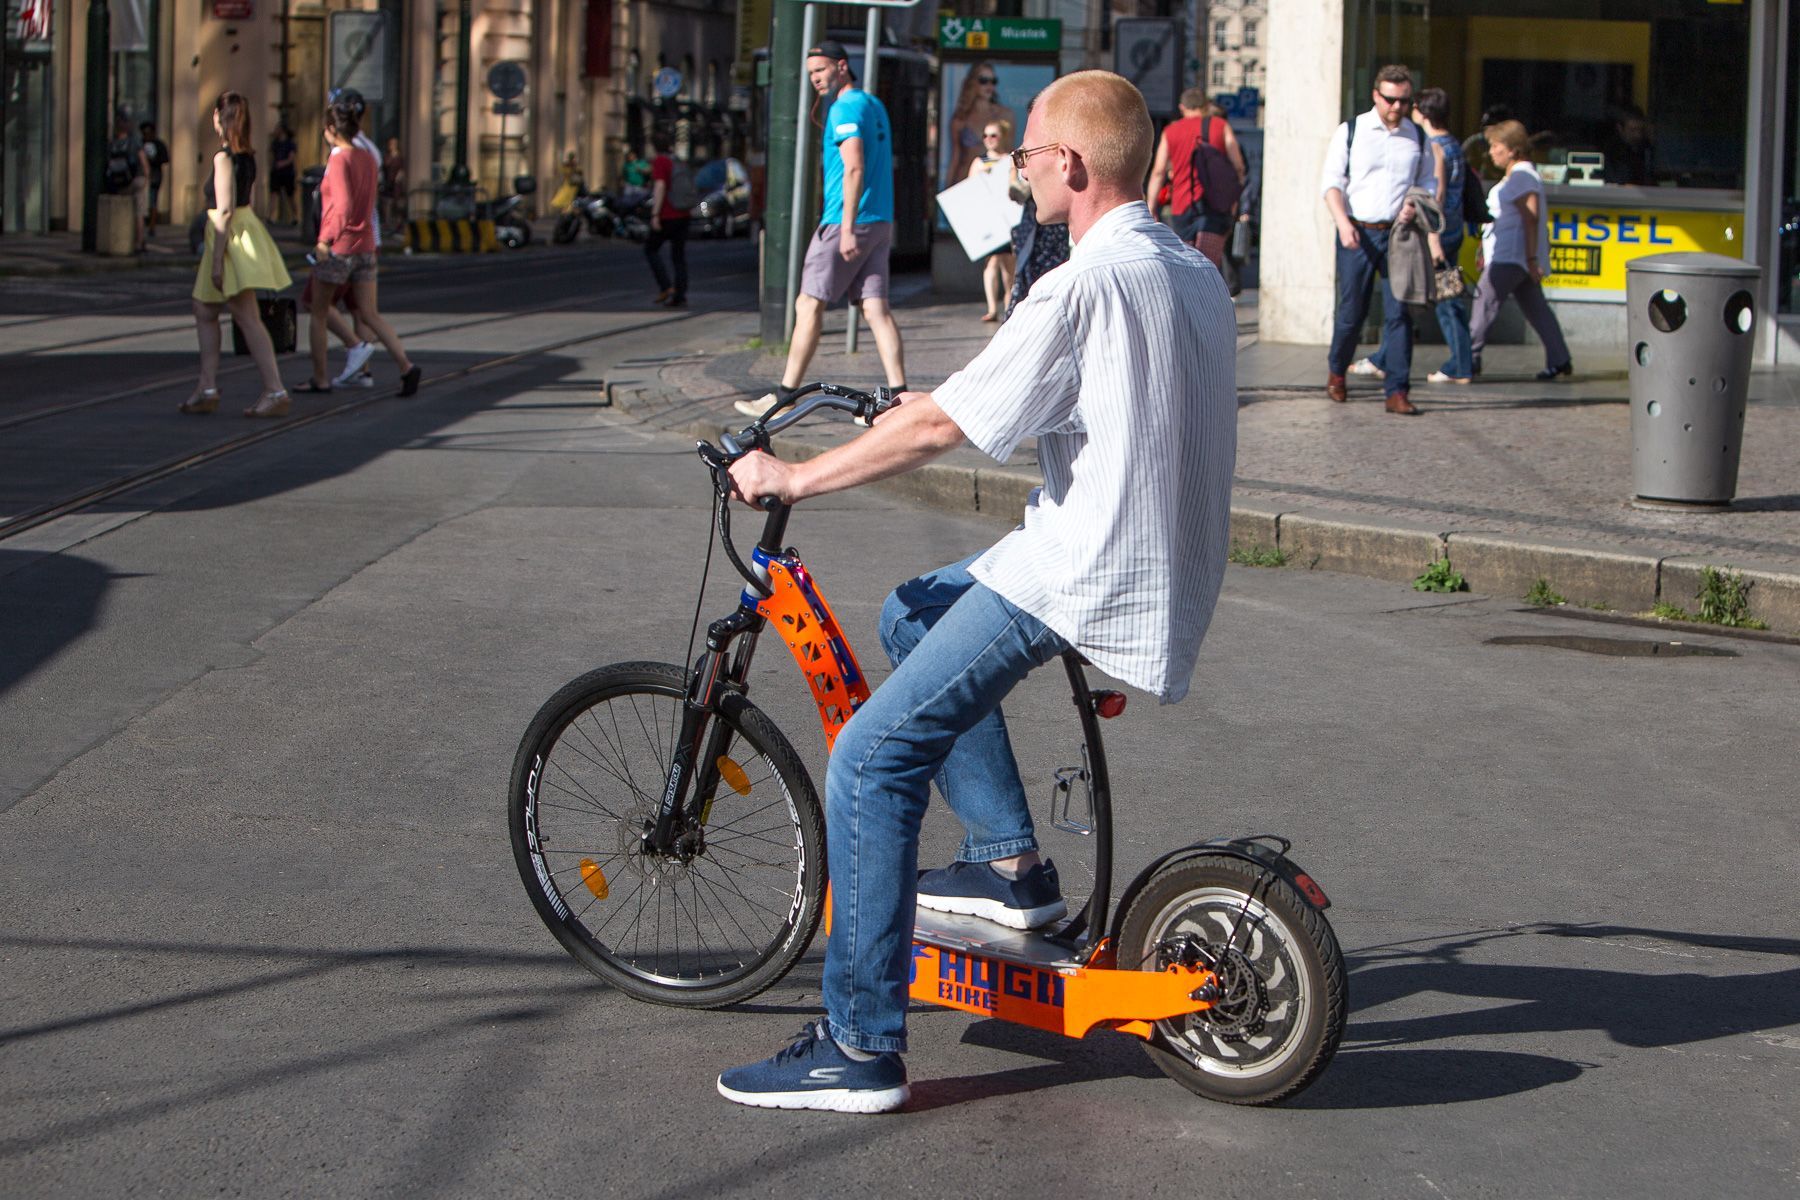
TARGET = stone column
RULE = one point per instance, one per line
(1305, 80)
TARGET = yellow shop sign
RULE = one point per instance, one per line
(1590, 247)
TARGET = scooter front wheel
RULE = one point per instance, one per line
(1283, 995)
(718, 918)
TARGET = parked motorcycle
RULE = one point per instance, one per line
(511, 229)
(605, 214)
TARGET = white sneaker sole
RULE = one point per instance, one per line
(844, 1100)
(755, 408)
(354, 362)
(998, 913)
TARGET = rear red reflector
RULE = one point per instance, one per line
(1312, 891)
(1109, 704)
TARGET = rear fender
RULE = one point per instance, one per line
(1263, 850)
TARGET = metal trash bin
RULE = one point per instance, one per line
(1692, 324)
(311, 207)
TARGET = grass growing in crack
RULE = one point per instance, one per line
(754, 343)
(1256, 555)
(1440, 577)
(1542, 595)
(1725, 599)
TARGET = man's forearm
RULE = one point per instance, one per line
(908, 437)
(853, 179)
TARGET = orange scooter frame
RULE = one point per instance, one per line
(1056, 983)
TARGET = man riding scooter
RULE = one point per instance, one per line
(1122, 365)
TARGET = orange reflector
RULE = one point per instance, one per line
(594, 877)
(733, 774)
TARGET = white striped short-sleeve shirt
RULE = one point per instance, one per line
(1123, 364)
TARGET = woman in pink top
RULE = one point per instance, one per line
(346, 250)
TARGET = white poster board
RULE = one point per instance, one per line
(981, 214)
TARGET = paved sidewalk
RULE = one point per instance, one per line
(1513, 480)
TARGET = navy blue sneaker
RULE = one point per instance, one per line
(977, 890)
(815, 1072)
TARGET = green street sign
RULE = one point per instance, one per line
(998, 34)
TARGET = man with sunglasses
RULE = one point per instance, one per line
(848, 256)
(1121, 363)
(1373, 159)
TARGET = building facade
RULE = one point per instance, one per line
(1658, 125)
(598, 74)
(1236, 45)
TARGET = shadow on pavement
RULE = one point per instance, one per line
(44, 605)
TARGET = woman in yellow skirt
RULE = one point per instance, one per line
(240, 260)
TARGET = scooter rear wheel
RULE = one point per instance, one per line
(1285, 997)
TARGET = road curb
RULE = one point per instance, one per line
(1588, 574)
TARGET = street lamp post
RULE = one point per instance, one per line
(459, 174)
(99, 49)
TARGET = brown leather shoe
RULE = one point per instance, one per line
(1334, 387)
(1398, 403)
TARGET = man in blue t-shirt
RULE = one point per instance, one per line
(848, 256)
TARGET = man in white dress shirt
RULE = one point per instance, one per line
(1122, 364)
(1365, 182)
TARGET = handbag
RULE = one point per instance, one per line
(1450, 284)
(280, 316)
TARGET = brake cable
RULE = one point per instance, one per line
(700, 599)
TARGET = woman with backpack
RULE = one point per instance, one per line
(672, 200)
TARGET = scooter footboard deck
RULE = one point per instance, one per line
(985, 969)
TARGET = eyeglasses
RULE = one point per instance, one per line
(1397, 101)
(986, 79)
(990, 135)
(1020, 155)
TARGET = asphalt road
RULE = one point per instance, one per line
(264, 936)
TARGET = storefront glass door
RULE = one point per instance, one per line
(25, 159)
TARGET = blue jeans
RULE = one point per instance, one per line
(1356, 273)
(1452, 318)
(958, 648)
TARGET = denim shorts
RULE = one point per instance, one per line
(338, 269)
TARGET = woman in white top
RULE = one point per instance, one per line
(998, 267)
(1515, 251)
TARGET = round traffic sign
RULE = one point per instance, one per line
(667, 82)
(507, 80)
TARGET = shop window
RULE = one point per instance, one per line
(1609, 90)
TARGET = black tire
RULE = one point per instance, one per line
(1270, 1038)
(568, 226)
(715, 929)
